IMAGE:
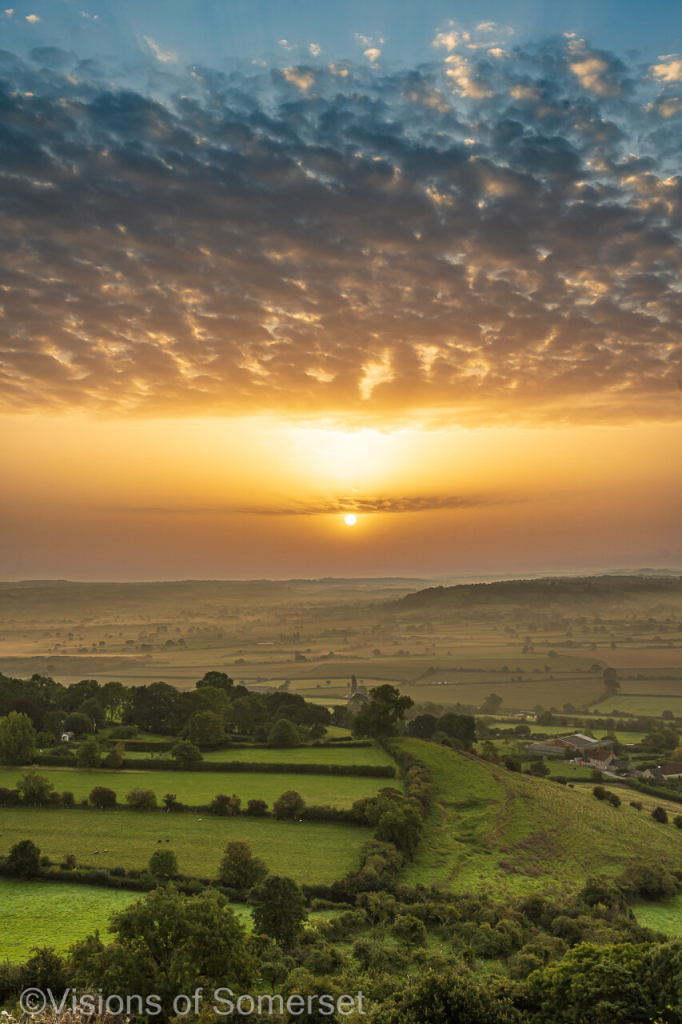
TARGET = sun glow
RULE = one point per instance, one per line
(350, 520)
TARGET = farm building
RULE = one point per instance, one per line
(558, 745)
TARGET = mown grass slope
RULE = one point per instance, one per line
(314, 852)
(503, 832)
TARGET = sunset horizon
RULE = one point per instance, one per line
(427, 279)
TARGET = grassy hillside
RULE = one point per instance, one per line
(500, 831)
(313, 852)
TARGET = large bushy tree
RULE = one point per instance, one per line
(380, 716)
(17, 739)
(239, 869)
(278, 908)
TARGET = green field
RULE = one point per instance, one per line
(373, 755)
(642, 704)
(508, 833)
(199, 788)
(307, 851)
(44, 913)
(663, 917)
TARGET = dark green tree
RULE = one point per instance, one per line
(78, 724)
(89, 754)
(278, 908)
(381, 714)
(163, 864)
(169, 943)
(283, 734)
(423, 726)
(460, 728)
(288, 805)
(141, 799)
(239, 869)
(35, 789)
(186, 753)
(206, 729)
(17, 739)
(102, 797)
(23, 859)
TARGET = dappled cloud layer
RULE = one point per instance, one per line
(492, 236)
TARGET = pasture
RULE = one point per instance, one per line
(198, 788)
(54, 914)
(642, 704)
(522, 695)
(313, 852)
(663, 917)
(373, 755)
(506, 833)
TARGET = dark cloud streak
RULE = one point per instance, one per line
(333, 506)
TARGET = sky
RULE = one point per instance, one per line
(269, 264)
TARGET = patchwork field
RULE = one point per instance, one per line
(313, 852)
(503, 832)
(515, 695)
(199, 788)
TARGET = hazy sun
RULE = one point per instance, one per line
(350, 520)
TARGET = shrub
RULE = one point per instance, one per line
(239, 869)
(114, 758)
(225, 805)
(512, 764)
(35, 789)
(23, 860)
(599, 792)
(89, 754)
(102, 797)
(659, 814)
(163, 864)
(409, 930)
(596, 775)
(142, 799)
(648, 881)
(289, 805)
(637, 804)
(171, 803)
(17, 739)
(186, 753)
(283, 734)
(677, 821)
(78, 724)
(613, 799)
(118, 872)
(9, 797)
(257, 808)
(123, 732)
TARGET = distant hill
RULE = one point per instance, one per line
(541, 591)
